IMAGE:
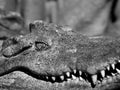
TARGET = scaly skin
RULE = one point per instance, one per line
(53, 50)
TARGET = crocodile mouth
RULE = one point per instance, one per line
(101, 78)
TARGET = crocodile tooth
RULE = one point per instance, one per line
(68, 74)
(62, 77)
(94, 78)
(74, 71)
(53, 78)
(108, 68)
(119, 61)
(103, 73)
(81, 78)
(113, 66)
(118, 70)
(47, 77)
(68, 79)
(108, 76)
(113, 74)
(74, 77)
(80, 73)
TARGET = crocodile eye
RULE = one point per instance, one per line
(41, 46)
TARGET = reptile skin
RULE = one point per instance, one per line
(50, 51)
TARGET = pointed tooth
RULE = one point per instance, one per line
(68, 74)
(81, 78)
(74, 77)
(53, 78)
(103, 73)
(47, 77)
(68, 79)
(80, 72)
(113, 66)
(119, 61)
(62, 77)
(113, 74)
(118, 70)
(74, 71)
(108, 77)
(108, 68)
(94, 78)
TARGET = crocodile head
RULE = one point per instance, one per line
(57, 58)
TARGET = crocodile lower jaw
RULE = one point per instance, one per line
(74, 79)
(20, 81)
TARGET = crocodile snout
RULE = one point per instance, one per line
(14, 46)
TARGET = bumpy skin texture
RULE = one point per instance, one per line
(51, 49)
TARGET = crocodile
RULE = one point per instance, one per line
(53, 57)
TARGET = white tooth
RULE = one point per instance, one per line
(103, 73)
(108, 77)
(74, 71)
(118, 70)
(68, 74)
(74, 77)
(46, 77)
(68, 79)
(62, 77)
(113, 74)
(113, 66)
(81, 78)
(80, 73)
(108, 67)
(53, 78)
(94, 78)
(119, 61)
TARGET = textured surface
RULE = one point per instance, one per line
(52, 50)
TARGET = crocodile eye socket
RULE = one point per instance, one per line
(41, 46)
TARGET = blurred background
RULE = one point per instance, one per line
(90, 17)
